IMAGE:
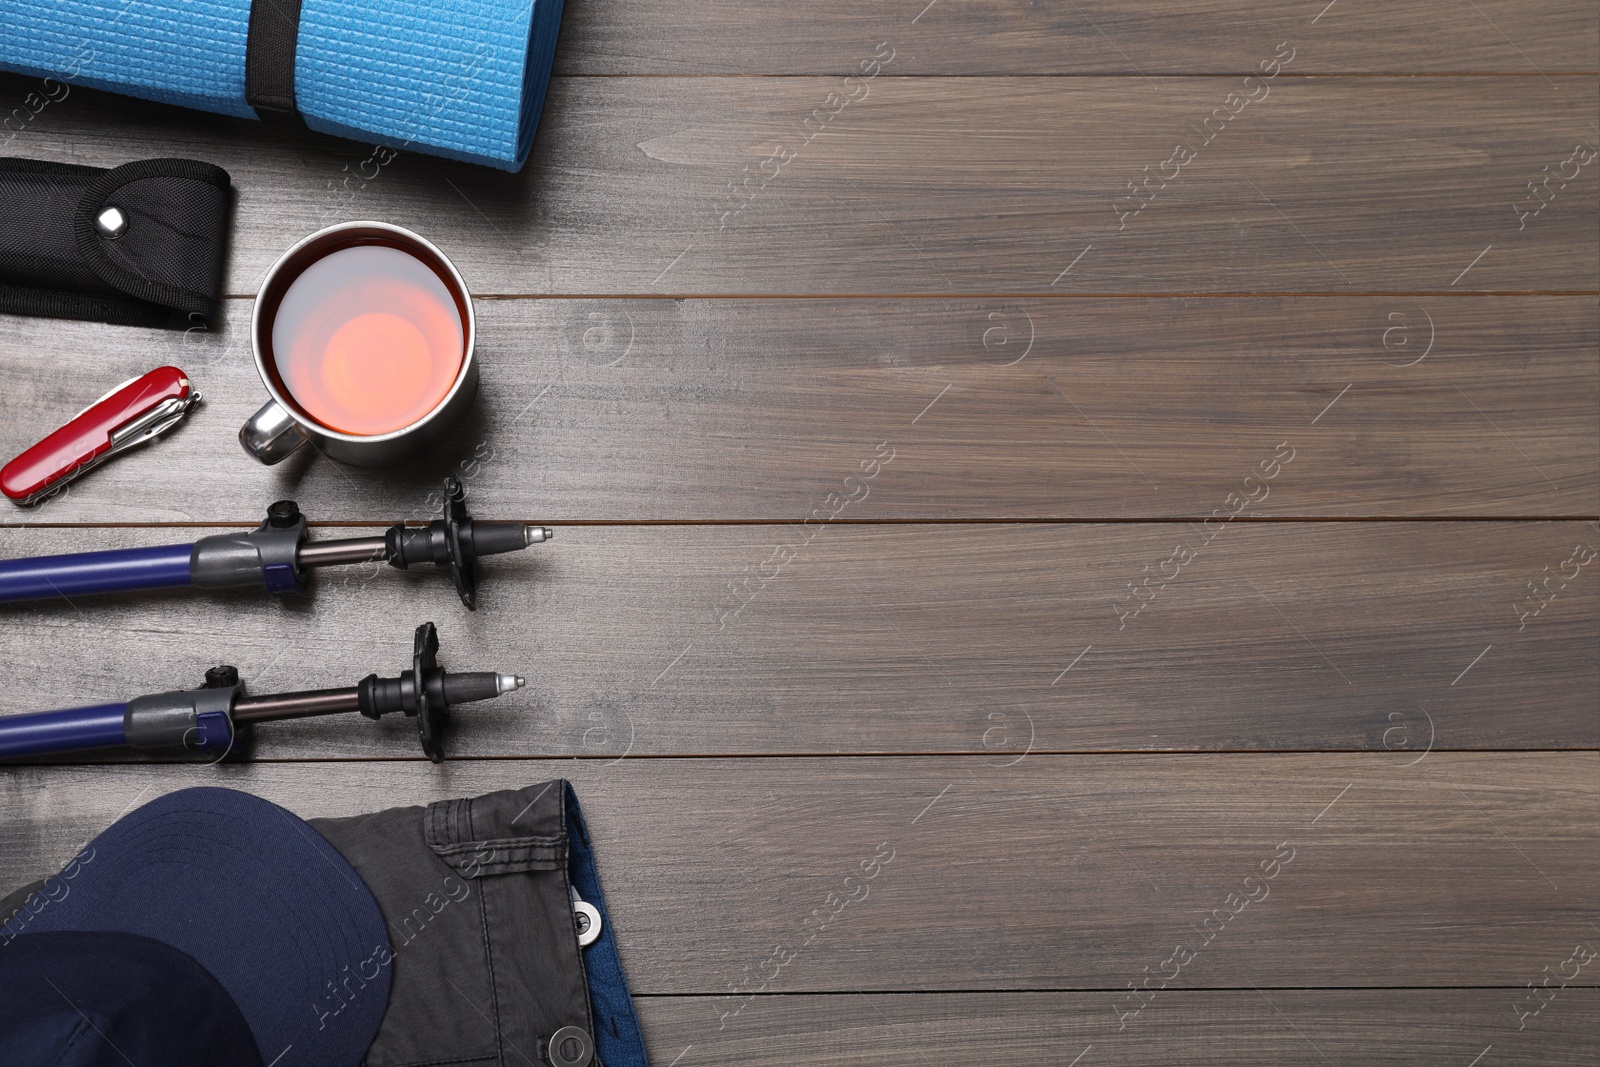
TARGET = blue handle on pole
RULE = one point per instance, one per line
(83, 573)
(43, 732)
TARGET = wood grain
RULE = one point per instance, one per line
(942, 186)
(897, 639)
(1131, 37)
(651, 410)
(1057, 873)
(1279, 1028)
(700, 315)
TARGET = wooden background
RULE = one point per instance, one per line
(685, 356)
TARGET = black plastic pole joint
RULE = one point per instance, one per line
(197, 719)
(268, 556)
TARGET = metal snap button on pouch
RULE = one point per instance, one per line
(112, 222)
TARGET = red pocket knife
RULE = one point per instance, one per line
(138, 410)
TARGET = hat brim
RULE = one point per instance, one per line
(258, 897)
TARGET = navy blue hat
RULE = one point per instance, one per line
(105, 1000)
(253, 895)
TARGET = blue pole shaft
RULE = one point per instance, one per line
(84, 573)
(43, 732)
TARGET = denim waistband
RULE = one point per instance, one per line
(617, 1036)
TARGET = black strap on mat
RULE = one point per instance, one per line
(269, 61)
(163, 269)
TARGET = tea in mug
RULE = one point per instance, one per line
(368, 339)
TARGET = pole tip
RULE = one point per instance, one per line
(507, 683)
(533, 535)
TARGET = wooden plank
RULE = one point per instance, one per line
(895, 639)
(1001, 408)
(945, 185)
(1279, 1028)
(1057, 873)
(1132, 37)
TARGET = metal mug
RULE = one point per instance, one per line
(281, 426)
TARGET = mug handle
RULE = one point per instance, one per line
(271, 433)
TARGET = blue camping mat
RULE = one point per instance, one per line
(464, 79)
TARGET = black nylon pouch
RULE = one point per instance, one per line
(164, 270)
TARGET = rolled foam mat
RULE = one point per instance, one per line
(464, 79)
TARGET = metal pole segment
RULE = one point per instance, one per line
(296, 705)
(345, 550)
(81, 574)
(66, 730)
